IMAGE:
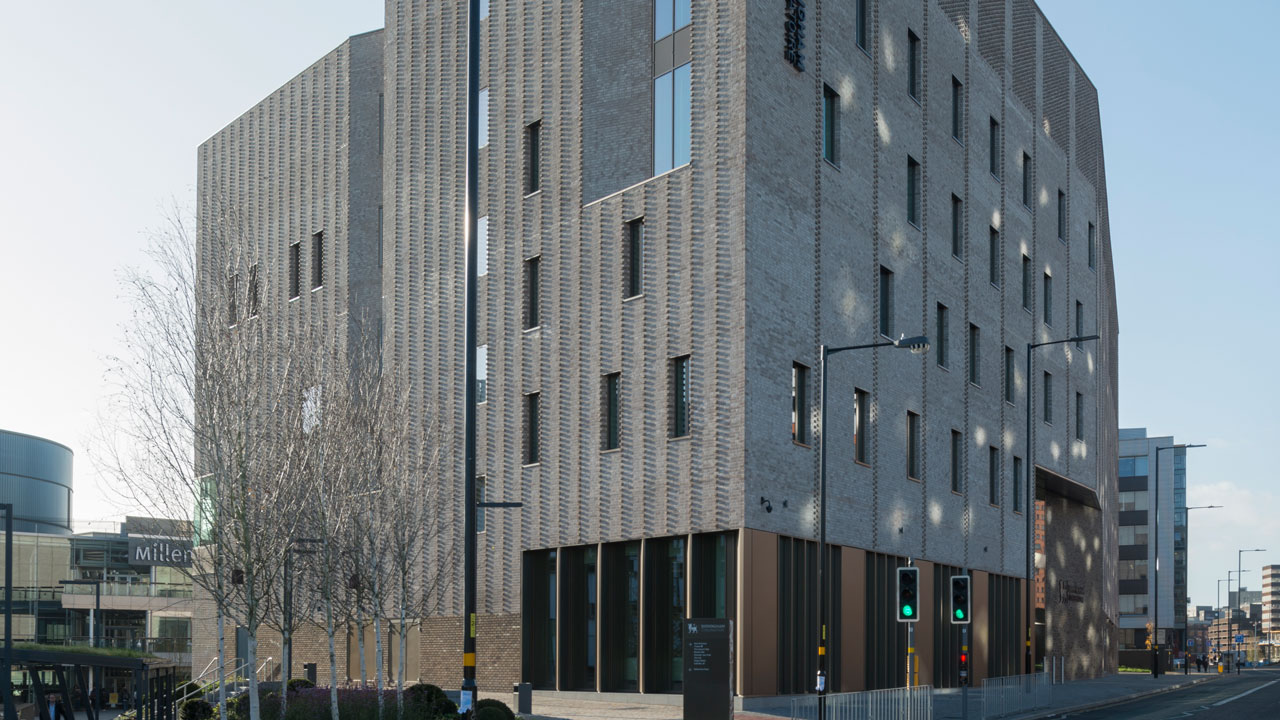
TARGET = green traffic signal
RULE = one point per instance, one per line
(959, 614)
(906, 610)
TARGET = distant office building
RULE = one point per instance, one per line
(1138, 512)
(674, 216)
(1271, 607)
(35, 476)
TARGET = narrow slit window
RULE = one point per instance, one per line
(913, 445)
(1093, 246)
(482, 246)
(1079, 324)
(533, 157)
(860, 23)
(1008, 374)
(532, 292)
(957, 109)
(1026, 282)
(633, 264)
(957, 227)
(975, 357)
(679, 394)
(800, 403)
(957, 455)
(943, 332)
(1017, 483)
(913, 65)
(1048, 298)
(861, 425)
(994, 148)
(317, 260)
(1062, 216)
(993, 256)
(532, 428)
(482, 374)
(886, 302)
(295, 279)
(993, 474)
(612, 420)
(255, 290)
(233, 290)
(830, 125)
(1047, 400)
(1026, 180)
(1080, 416)
(913, 191)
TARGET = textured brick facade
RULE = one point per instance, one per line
(756, 253)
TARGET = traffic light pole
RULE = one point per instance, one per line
(964, 672)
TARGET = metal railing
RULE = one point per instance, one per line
(905, 703)
(1015, 694)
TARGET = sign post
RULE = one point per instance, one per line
(708, 669)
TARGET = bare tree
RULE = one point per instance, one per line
(231, 468)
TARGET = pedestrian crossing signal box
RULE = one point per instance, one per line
(908, 594)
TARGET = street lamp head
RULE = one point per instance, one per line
(1083, 338)
(918, 345)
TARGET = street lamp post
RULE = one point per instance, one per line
(1239, 592)
(1030, 498)
(10, 712)
(916, 345)
(1231, 616)
(469, 335)
(1155, 626)
(287, 644)
(1185, 671)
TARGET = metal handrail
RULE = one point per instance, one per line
(232, 676)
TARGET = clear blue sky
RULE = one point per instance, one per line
(104, 105)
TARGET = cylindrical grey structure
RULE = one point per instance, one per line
(35, 475)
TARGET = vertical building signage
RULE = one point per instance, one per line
(793, 49)
(708, 669)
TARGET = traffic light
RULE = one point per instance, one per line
(908, 594)
(960, 599)
(964, 667)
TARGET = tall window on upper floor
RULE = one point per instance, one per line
(861, 426)
(993, 256)
(672, 97)
(482, 374)
(975, 356)
(1026, 282)
(1047, 400)
(482, 249)
(482, 133)
(1008, 374)
(679, 395)
(993, 147)
(800, 403)
(886, 302)
(1048, 299)
(633, 259)
(993, 475)
(830, 125)
(957, 455)
(913, 191)
(943, 336)
(532, 292)
(957, 109)
(914, 64)
(1026, 179)
(233, 291)
(533, 157)
(1093, 246)
(255, 290)
(295, 277)
(957, 227)
(317, 260)
(611, 420)
(484, 9)
(913, 445)
(860, 24)
(1080, 416)
(481, 488)
(1017, 483)
(1062, 216)
(1079, 323)
(532, 428)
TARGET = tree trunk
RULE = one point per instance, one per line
(404, 640)
(255, 711)
(377, 642)
(222, 666)
(364, 672)
(333, 655)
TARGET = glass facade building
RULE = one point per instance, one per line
(35, 476)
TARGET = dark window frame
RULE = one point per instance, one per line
(633, 259)
(886, 308)
(317, 260)
(295, 270)
(830, 125)
(611, 417)
(957, 461)
(957, 110)
(533, 157)
(993, 256)
(957, 227)
(1046, 401)
(533, 292)
(943, 328)
(915, 65)
(994, 148)
(913, 445)
(861, 426)
(532, 454)
(975, 355)
(993, 476)
(914, 182)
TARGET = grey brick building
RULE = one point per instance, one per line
(681, 209)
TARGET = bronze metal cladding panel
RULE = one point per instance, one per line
(758, 652)
(980, 632)
(924, 628)
(853, 623)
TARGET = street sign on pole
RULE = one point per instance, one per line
(1239, 639)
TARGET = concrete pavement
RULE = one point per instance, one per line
(1073, 697)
